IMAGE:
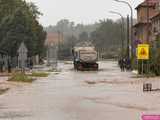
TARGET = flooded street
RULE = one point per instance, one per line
(108, 94)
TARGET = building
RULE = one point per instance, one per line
(155, 20)
(52, 43)
(143, 27)
(53, 38)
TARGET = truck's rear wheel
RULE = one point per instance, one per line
(79, 66)
(96, 66)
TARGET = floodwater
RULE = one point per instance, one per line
(108, 94)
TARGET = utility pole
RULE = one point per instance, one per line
(147, 21)
(148, 32)
(132, 41)
(128, 53)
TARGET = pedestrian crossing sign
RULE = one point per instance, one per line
(143, 52)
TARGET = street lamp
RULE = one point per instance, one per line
(127, 3)
(122, 29)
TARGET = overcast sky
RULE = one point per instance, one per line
(81, 11)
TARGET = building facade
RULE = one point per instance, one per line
(143, 27)
(52, 43)
(156, 27)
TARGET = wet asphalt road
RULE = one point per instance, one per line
(107, 94)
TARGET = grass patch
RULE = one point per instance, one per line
(39, 74)
(68, 62)
(20, 77)
(54, 70)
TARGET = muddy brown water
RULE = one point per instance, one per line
(68, 96)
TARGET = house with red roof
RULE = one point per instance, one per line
(143, 27)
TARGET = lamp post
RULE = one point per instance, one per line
(147, 21)
(132, 43)
(122, 30)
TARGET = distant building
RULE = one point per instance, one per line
(142, 25)
(52, 42)
(54, 38)
(156, 26)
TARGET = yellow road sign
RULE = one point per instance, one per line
(143, 52)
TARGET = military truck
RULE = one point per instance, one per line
(85, 57)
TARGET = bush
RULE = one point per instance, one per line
(39, 74)
(155, 58)
(145, 67)
(20, 77)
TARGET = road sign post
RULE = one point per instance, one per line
(143, 53)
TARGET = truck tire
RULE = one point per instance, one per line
(79, 66)
(96, 67)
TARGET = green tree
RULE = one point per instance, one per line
(66, 48)
(83, 36)
(19, 24)
(107, 37)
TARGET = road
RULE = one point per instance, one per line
(108, 94)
